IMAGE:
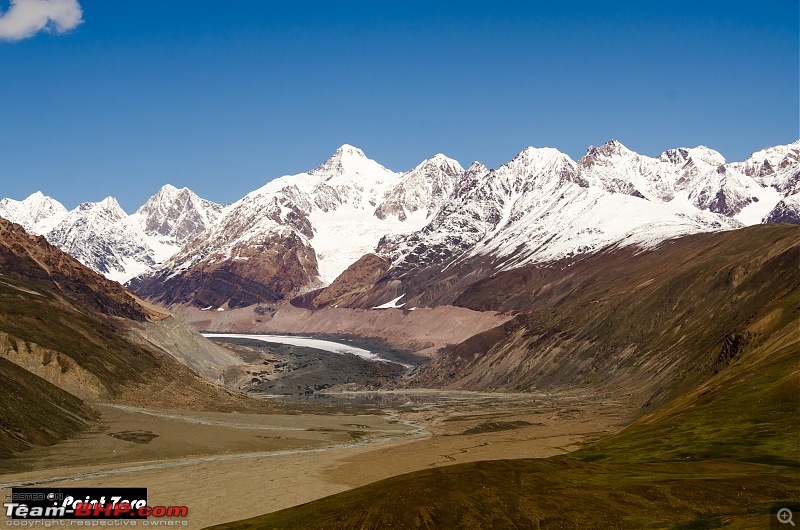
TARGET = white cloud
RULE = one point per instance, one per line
(26, 18)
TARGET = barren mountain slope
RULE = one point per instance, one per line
(655, 322)
(64, 337)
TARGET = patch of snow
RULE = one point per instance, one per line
(753, 213)
(345, 235)
(308, 342)
(391, 304)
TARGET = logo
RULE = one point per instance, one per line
(86, 503)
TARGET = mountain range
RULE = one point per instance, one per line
(103, 237)
(437, 221)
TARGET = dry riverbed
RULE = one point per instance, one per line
(229, 466)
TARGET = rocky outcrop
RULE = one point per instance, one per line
(54, 367)
(786, 211)
(268, 271)
(347, 290)
(175, 216)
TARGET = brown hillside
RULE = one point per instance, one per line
(651, 323)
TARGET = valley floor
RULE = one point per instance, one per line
(229, 466)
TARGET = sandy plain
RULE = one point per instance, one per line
(229, 466)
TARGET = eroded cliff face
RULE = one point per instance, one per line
(52, 366)
(173, 336)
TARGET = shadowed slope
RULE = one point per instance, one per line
(35, 412)
(653, 324)
(33, 259)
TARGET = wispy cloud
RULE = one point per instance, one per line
(26, 18)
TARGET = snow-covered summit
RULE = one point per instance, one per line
(100, 235)
(105, 238)
(174, 216)
(348, 160)
(609, 149)
(37, 213)
(424, 188)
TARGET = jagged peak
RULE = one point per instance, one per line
(38, 197)
(348, 150)
(773, 154)
(37, 212)
(168, 190)
(440, 157)
(108, 204)
(707, 155)
(701, 153)
(477, 167)
(167, 194)
(440, 161)
(677, 155)
(610, 148)
(538, 156)
(348, 159)
(341, 156)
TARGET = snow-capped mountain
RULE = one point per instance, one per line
(37, 213)
(426, 188)
(296, 232)
(101, 236)
(776, 167)
(106, 239)
(300, 232)
(543, 206)
(699, 176)
(174, 216)
(786, 211)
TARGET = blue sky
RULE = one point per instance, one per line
(224, 96)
